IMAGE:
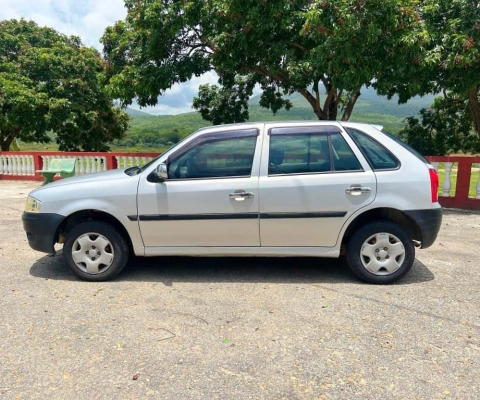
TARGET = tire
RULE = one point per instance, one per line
(95, 251)
(380, 252)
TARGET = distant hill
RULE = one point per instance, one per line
(149, 132)
(369, 108)
(136, 113)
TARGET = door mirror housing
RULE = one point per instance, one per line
(160, 174)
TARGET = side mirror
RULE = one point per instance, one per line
(160, 174)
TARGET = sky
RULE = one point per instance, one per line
(88, 19)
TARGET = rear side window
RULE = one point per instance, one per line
(299, 153)
(377, 155)
(343, 157)
(299, 150)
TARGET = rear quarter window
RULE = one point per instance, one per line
(406, 147)
(377, 155)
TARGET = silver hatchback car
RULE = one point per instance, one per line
(265, 189)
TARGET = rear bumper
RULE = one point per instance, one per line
(429, 222)
(41, 229)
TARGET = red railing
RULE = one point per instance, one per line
(460, 181)
(459, 184)
(23, 165)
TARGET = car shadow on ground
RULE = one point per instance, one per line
(169, 270)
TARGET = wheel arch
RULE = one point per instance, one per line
(90, 215)
(382, 214)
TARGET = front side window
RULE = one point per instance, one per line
(216, 156)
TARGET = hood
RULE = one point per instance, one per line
(113, 174)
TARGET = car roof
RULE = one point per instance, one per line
(256, 124)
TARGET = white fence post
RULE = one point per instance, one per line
(447, 183)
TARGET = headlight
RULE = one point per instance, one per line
(33, 205)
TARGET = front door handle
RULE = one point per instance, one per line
(357, 190)
(240, 195)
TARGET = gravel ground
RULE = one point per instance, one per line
(223, 328)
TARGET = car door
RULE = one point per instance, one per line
(210, 197)
(312, 179)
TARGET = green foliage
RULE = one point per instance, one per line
(229, 103)
(285, 46)
(446, 127)
(454, 43)
(49, 81)
(446, 56)
(226, 104)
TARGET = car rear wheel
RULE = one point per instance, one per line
(380, 252)
(95, 251)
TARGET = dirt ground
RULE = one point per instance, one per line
(238, 328)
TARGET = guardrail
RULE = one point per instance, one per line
(23, 165)
(459, 181)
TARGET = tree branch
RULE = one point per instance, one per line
(197, 46)
(317, 94)
(299, 46)
(313, 102)
(325, 83)
(264, 72)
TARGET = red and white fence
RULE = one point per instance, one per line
(22, 165)
(460, 186)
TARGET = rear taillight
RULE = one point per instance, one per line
(433, 183)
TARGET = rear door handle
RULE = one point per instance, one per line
(240, 195)
(358, 190)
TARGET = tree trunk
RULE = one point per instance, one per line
(6, 142)
(329, 112)
(475, 108)
(351, 103)
(331, 104)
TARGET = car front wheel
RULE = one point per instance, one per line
(380, 252)
(95, 251)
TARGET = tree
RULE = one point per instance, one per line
(50, 82)
(446, 127)
(448, 59)
(286, 46)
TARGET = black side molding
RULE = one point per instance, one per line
(326, 214)
(193, 217)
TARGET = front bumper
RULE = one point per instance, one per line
(429, 222)
(41, 229)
